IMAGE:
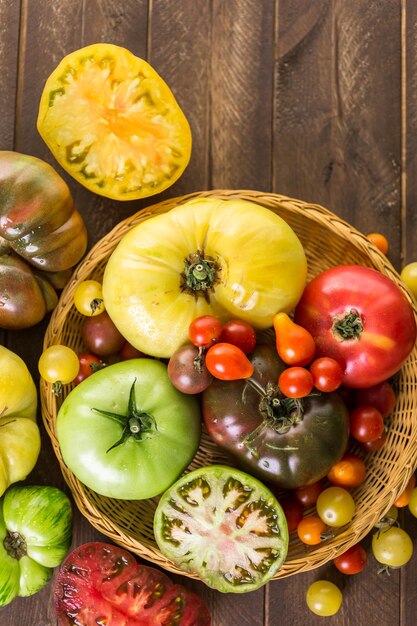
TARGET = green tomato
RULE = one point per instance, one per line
(392, 547)
(324, 598)
(20, 444)
(409, 277)
(126, 432)
(35, 535)
(335, 506)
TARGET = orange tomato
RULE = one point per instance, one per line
(295, 345)
(349, 472)
(379, 241)
(404, 497)
(311, 529)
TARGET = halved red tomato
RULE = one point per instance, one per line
(113, 123)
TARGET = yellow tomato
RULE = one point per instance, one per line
(113, 123)
(20, 444)
(229, 258)
(18, 394)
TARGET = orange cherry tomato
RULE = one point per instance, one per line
(380, 241)
(349, 472)
(404, 497)
(295, 382)
(228, 362)
(295, 345)
(310, 530)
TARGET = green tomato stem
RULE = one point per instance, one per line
(348, 326)
(15, 545)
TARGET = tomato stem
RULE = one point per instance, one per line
(200, 274)
(348, 326)
(15, 545)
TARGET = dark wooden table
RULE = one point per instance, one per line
(315, 99)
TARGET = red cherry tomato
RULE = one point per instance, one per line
(366, 423)
(381, 396)
(352, 561)
(240, 334)
(307, 496)
(227, 362)
(295, 345)
(89, 363)
(204, 330)
(129, 352)
(327, 374)
(295, 382)
(293, 511)
(373, 446)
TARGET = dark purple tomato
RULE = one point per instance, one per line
(101, 336)
(187, 370)
(289, 442)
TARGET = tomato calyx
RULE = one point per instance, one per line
(15, 545)
(348, 326)
(136, 424)
(200, 274)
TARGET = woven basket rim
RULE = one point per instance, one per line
(85, 500)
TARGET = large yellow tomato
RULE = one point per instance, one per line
(18, 394)
(113, 123)
(230, 258)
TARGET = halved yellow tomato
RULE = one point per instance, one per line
(113, 123)
(227, 257)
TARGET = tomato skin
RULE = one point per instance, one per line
(374, 303)
(228, 362)
(366, 423)
(240, 334)
(295, 345)
(310, 530)
(381, 397)
(204, 330)
(115, 588)
(352, 561)
(234, 415)
(327, 374)
(349, 472)
(100, 335)
(295, 382)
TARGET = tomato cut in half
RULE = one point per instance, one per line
(224, 526)
(113, 123)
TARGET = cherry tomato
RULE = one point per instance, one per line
(380, 241)
(392, 547)
(295, 382)
(412, 504)
(187, 370)
(404, 497)
(349, 472)
(88, 298)
(310, 530)
(58, 365)
(240, 334)
(388, 519)
(204, 330)
(100, 335)
(373, 446)
(295, 345)
(327, 374)
(335, 506)
(89, 363)
(129, 352)
(352, 561)
(293, 511)
(324, 598)
(307, 496)
(366, 423)
(381, 397)
(228, 362)
(409, 277)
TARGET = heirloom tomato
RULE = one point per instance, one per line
(35, 534)
(100, 583)
(18, 394)
(223, 525)
(187, 370)
(229, 258)
(360, 318)
(126, 432)
(113, 123)
(287, 442)
(42, 235)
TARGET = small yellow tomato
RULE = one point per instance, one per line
(335, 506)
(58, 365)
(324, 598)
(409, 277)
(88, 298)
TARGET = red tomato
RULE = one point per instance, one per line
(381, 396)
(295, 382)
(295, 345)
(227, 362)
(349, 472)
(89, 363)
(362, 319)
(327, 374)
(204, 330)
(352, 561)
(307, 496)
(293, 511)
(100, 583)
(240, 334)
(129, 352)
(366, 423)
(373, 446)
(311, 529)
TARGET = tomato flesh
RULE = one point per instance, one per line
(113, 124)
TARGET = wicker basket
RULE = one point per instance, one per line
(327, 241)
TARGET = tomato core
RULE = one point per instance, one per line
(348, 326)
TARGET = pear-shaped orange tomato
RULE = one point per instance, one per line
(295, 345)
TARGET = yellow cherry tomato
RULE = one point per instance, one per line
(409, 277)
(335, 506)
(88, 298)
(324, 598)
(58, 365)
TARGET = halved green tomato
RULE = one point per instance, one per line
(113, 123)
(223, 525)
